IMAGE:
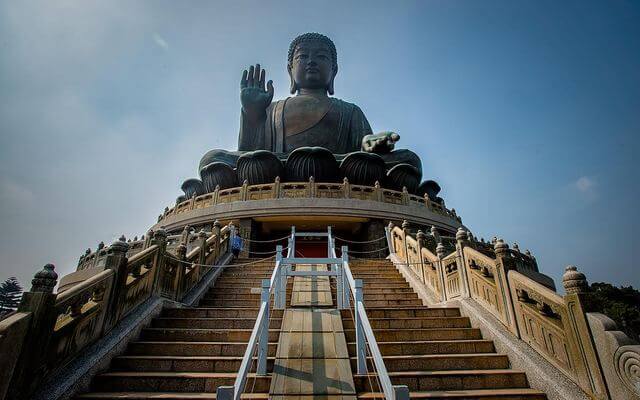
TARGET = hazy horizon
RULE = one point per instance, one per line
(525, 112)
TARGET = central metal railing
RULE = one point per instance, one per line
(348, 290)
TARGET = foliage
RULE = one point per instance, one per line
(10, 294)
(622, 304)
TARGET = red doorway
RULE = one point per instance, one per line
(311, 249)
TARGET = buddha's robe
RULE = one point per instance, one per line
(305, 121)
(333, 124)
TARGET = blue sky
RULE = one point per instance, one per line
(526, 112)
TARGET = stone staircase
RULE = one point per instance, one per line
(187, 353)
(434, 351)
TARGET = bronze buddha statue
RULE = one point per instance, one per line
(310, 118)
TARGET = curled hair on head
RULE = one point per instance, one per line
(313, 37)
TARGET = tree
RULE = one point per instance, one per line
(621, 304)
(10, 294)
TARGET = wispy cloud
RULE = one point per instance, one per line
(159, 40)
(585, 184)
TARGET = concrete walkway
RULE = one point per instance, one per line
(312, 357)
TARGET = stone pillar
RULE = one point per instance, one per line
(215, 230)
(420, 237)
(405, 232)
(462, 240)
(178, 282)
(505, 263)
(247, 232)
(40, 303)
(375, 230)
(440, 252)
(159, 239)
(585, 357)
(116, 261)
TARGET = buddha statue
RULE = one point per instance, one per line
(310, 118)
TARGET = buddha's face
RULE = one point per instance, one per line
(312, 66)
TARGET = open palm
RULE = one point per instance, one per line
(255, 98)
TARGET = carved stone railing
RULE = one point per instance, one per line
(311, 189)
(507, 284)
(49, 329)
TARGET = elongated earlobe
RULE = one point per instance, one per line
(293, 88)
(330, 88)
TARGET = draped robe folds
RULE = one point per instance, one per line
(336, 125)
(340, 129)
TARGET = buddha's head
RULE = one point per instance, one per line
(313, 62)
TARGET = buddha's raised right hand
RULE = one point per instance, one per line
(253, 96)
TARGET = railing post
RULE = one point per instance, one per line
(263, 341)
(117, 261)
(281, 282)
(346, 188)
(215, 230)
(585, 356)
(440, 250)
(329, 241)
(462, 240)
(178, 283)
(293, 241)
(224, 393)
(401, 392)
(387, 231)
(159, 239)
(361, 346)
(40, 302)
(276, 188)
(420, 239)
(505, 263)
(346, 291)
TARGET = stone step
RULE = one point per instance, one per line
(479, 394)
(390, 285)
(229, 303)
(232, 296)
(413, 323)
(407, 312)
(202, 335)
(450, 380)
(391, 303)
(174, 381)
(372, 295)
(158, 363)
(162, 395)
(181, 348)
(213, 312)
(403, 289)
(212, 323)
(395, 335)
(437, 362)
(426, 347)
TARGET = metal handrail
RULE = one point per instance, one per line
(276, 285)
(363, 326)
(260, 333)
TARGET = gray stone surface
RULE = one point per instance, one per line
(193, 297)
(75, 377)
(541, 374)
(425, 294)
(619, 357)
(414, 213)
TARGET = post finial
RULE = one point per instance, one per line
(500, 246)
(405, 224)
(574, 281)
(461, 235)
(440, 250)
(44, 280)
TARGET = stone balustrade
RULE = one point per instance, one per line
(311, 189)
(49, 329)
(506, 283)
